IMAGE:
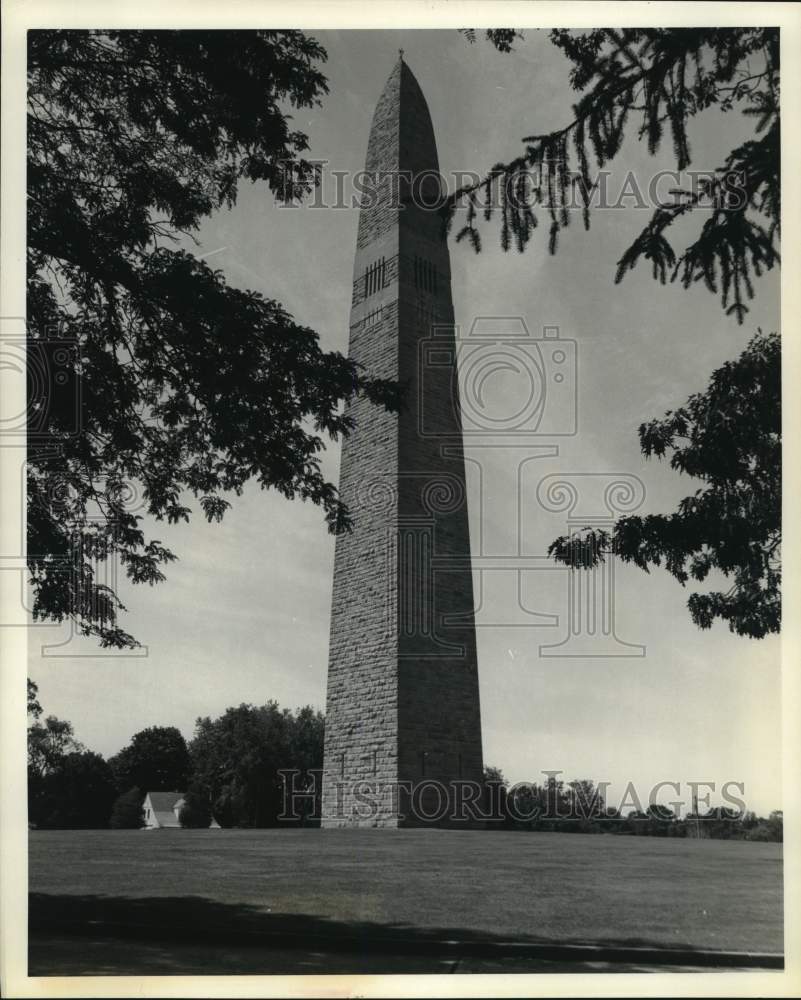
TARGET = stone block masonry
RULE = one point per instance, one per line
(403, 704)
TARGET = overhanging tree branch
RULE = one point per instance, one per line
(729, 437)
(668, 76)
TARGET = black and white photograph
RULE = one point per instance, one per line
(392, 488)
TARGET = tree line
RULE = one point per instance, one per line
(231, 771)
(580, 806)
(228, 770)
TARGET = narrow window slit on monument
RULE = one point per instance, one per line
(375, 277)
(374, 316)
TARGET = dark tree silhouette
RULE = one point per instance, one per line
(666, 76)
(77, 795)
(729, 437)
(177, 385)
(34, 708)
(155, 760)
(501, 38)
(494, 775)
(48, 744)
(127, 812)
(195, 813)
(237, 758)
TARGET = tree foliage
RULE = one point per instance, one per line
(729, 437)
(501, 38)
(237, 758)
(68, 787)
(495, 776)
(156, 760)
(48, 743)
(77, 794)
(578, 806)
(195, 813)
(127, 812)
(664, 76)
(178, 386)
(34, 708)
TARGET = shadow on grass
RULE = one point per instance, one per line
(196, 922)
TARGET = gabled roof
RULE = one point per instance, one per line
(163, 808)
(164, 801)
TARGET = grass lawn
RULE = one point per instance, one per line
(536, 887)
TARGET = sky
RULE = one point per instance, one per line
(243, 616)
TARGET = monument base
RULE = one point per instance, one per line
(426, 804)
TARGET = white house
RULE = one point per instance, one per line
(162, 811)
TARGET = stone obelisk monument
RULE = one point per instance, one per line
(403, 726)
